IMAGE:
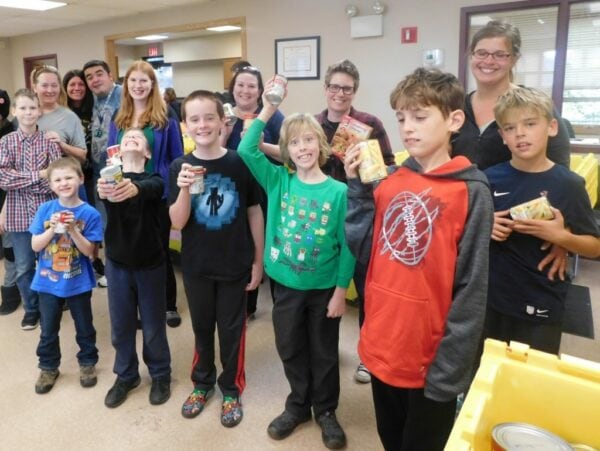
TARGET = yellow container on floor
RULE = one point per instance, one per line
(521, 385)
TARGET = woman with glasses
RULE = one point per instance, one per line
(341, 83)
(246, 89)
(494, 51)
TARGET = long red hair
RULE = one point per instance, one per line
(155, 113)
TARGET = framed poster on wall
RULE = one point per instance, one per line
(298, 58)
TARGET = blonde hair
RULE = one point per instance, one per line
(34, 77)
(155, 113)
(295, 125)
(65, 163)
(523, 99)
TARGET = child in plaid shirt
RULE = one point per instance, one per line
(24, 157)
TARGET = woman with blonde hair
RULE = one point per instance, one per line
(143, 107)
(59, 122)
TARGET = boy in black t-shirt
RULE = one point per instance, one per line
(523, 303)
(135, 269)
(222, 231)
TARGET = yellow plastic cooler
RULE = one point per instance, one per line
(518, 384)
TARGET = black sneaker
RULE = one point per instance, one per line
(173, 318)
(118, 393)
(331, 432)
(98, 266)
(30, 320)
(284, 425)
(160, 391)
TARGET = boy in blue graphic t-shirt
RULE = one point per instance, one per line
(222, 231)
(65, 232)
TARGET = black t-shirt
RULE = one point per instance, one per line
(132, 237)
(216, 241)
(516, 287)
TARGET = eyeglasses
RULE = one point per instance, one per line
(334, 89)
(499, 55)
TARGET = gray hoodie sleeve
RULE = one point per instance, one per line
(359, 220)
(450, 371)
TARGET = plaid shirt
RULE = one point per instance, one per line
(21, 159)
(334, 166)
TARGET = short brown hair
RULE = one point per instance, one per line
(27, 93)
(65, 163)
(521, 98)
(294, 125)
(202, 95)
(426, 87)
(345, 67)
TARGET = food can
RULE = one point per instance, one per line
(60, 226)
(534, 209)
(197, 187)
(371, 168)
(513, 436)
(277, 92)
(113, 155)
(230, 117)
(112, 174)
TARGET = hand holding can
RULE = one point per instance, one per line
(197, 186)
(112, 175)
(61, 218)
(230, 117)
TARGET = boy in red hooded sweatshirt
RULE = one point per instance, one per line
(424, 232)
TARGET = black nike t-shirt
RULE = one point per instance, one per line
(216, 241)
(516, 287)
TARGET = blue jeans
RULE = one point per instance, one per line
(130, 290)
(10, 270)
(25, 267)
(80, 307)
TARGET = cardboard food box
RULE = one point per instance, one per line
(349, 132)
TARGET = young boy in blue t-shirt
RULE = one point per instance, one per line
(524, 304)
(65, 232)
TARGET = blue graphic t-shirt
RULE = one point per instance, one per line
(62, 270)
(216, 241)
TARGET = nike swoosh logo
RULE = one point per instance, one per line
(497, 194)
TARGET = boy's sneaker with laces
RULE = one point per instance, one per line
(231, 411)
(30, 320)
(195, 403)
(46, 381)
(284, 425)
(87, 376)
(160, 392)
(331, 432)
(362, 374)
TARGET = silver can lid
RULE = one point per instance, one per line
(515, 436)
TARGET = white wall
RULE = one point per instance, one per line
(6, 75)
(203, 48)
(192, 75)
(382, 61)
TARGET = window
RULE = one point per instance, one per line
(560, 53)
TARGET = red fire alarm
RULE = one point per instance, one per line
(408, 35)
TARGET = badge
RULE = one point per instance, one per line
(99, 133)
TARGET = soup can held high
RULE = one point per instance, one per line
(112, 175)
(277, 92)
(197, 187)
(230, 117)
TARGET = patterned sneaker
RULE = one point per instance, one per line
(231, 413)
(87, 376)
(195, 403)
(46, 381)
(362, 374)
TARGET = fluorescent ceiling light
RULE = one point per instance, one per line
(151, 37)
(36, 5)
(224, 28)
(480, 20)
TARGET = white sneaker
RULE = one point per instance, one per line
(362, 374)
(102, 282)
